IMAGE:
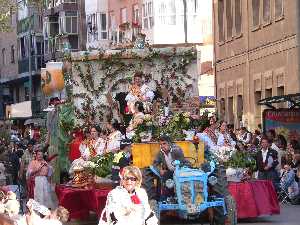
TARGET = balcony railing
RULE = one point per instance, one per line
(60, 5)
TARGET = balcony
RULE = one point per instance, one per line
(60, 5)
(32, 23)
(37, 63)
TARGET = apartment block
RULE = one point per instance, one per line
(63, 25)
(257, 55)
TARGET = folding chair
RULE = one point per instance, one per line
(283, 197)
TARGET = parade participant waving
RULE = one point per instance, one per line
(138, 91)
(93, 145)
(210, 134)
(114, 138)
(128, 203)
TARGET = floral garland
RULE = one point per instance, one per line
(173, 77)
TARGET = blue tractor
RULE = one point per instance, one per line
(190, 187)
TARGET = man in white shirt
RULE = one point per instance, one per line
(266, 162)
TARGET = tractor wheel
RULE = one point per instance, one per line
(154, 207)
(148, 184)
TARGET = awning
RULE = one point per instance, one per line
(20, 110)
(35, 121)
(292, 99)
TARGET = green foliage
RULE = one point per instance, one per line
(104, 165)
(242, 159)
(4, 135)
(118, 68)
(174, 128)
(7, 8)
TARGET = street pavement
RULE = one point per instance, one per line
(289, 216)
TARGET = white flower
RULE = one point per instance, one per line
(89, 164)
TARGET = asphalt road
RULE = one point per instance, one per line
(289, 216)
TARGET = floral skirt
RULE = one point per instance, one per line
(42, 192)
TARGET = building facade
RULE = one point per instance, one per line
(115, 23)
(256, 55)
(8, 66)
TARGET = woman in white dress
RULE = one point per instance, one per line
(128, 203)
(224, 139)
(92, 146)
(114, 138)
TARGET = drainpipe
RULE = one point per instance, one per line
(298, 41)
(214, 56)
(185, 21)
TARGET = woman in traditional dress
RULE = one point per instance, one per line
(128, 203)
(39, 169)
(224, 139)
(210, 135)
(138, 118)
(114, 138)
(93, 145)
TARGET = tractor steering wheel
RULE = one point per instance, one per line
(191, 161)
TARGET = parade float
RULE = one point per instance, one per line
(93, 82)
(96, 84)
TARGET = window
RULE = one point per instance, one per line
(229, 19)
(112, 24)
(123, 15)
(238, 17)
(73, 39)
(103, 26)
(23, 51)
(280, 91)
(257, 97)
(255, 13)
(266, 11)
(167, 12)
(162, 12)
(136, 14)
(145, 17)
(221, 20)
(17, 94)
(150, 14)
(147, 12)
(71, 22)
(278, 9)
(268, 93)
(171, 16)
(239, 107)
(92, 27)
(3, 57)
(12, 54)
(61, 25)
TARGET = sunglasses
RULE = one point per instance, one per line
(130, 178)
